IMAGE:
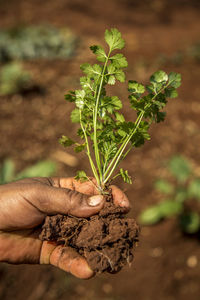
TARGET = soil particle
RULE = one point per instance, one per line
(106, 240)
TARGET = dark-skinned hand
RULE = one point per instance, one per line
(24, 204)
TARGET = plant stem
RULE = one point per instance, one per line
(123, 146)
(120, 151)
(88, 152)
(96, 149)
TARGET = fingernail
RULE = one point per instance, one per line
(95, 200)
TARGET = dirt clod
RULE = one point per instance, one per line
(106, 240)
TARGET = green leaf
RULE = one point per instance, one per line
(119, 60)
(65, 141)
(114, 39)
(120, 76)
(170, 208)
(180, 168)
(119, 117)
(159, 77)
(174, 79)
(171, 92)
(91, 70)
(80, 94)
(164, 186)
(43, 168)
(79, 148)
(190, 222)
(75, 116)
(100, 53)
(116, 102)
(111, 80)
(194, 188)
(150, 216)
(81, 175)
(70, 96)
(125, 176)
(7, 171)
(135, 87)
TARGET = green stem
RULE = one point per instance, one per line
(123, 146)
(88, 152)
(116, 158)
(96, 149)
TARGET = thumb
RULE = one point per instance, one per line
(53, 200)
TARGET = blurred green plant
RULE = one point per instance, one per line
(194, 51)
(14, 79)
(181, 197)
(30, 42)
(42, 168)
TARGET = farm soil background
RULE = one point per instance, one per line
(167, 263)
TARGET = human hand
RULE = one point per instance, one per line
(24, 205)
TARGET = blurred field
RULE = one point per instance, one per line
(159, 34)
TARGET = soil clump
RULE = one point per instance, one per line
(106, 240)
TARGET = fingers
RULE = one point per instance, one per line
(119, 198)
(66, 259)
(89, 188)
(53, 200)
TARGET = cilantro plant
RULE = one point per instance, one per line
(181, 197)
(106, 136)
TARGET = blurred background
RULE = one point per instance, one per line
(42, 44)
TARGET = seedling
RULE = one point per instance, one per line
(105, 135)
(181, 197)
(107, 239)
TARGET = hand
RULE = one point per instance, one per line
(24, 205)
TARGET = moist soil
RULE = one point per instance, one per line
(106, 240)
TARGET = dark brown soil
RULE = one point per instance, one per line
(106, 240)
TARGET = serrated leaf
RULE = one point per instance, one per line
(119, 117)
(190, 222)
(135, 87)
(170, 208)
(75, 116)
(125, 176)
(180, 168)
(159, 77)
(79, 148)
(79, 103)
(81, 175)
(119, 60)
(174, 79)
(194, 188)
(120, 75)
(111, 80)
(111, 69)
(66, 141)
(116, 102)
(150, 216)
(171, 92)
(100, 53)
(80, 94)
(91, 70)
(164, 186)
(114, 39)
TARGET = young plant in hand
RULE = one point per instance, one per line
(107, 239)
(105, 135)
